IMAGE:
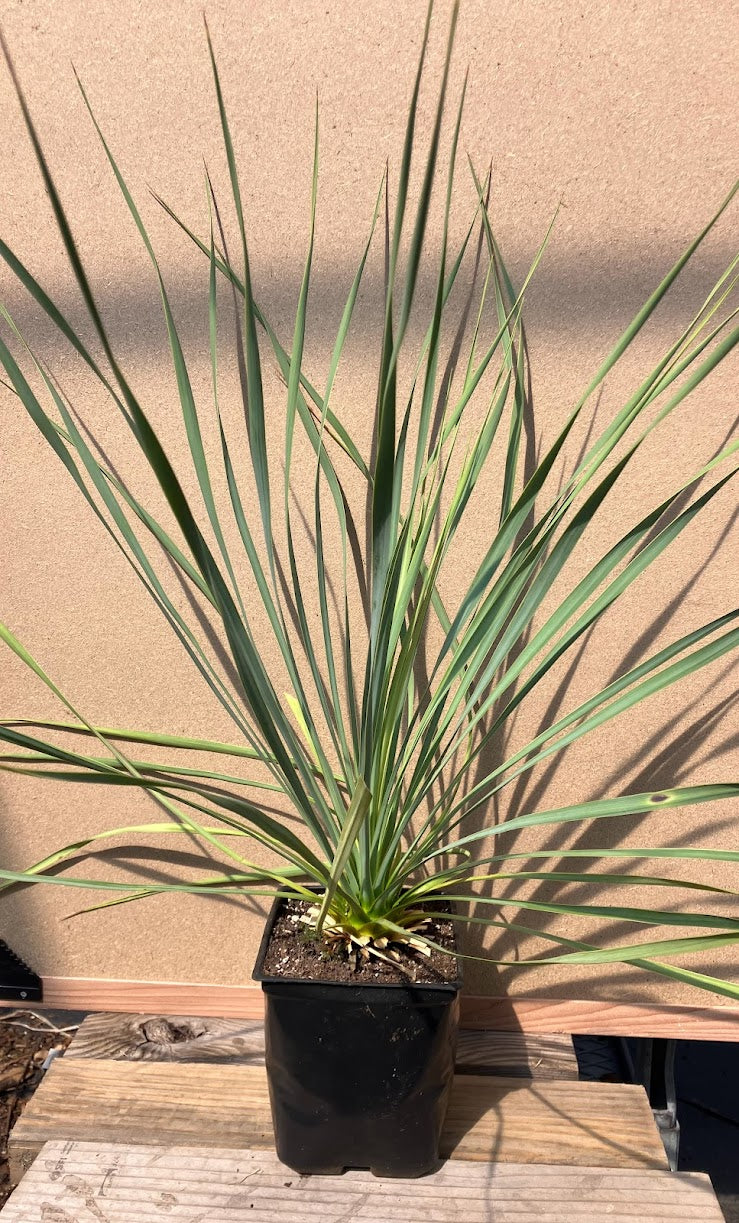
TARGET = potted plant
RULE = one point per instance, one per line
(380, 751)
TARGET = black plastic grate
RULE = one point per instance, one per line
(18, 982)
(600, 1059)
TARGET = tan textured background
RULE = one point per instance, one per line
(624, 111)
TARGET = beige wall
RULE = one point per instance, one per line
(625, 112)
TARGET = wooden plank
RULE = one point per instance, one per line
(516, 1055)
(506, 1120)
(187, 1038)
(173, 1104)
(535, 1015)
(169, 1038)
(116, 1184)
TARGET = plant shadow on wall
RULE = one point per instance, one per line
(376, 780)
(682, 742)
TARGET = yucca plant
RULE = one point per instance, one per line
(380, 753)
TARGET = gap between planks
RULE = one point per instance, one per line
(117, 1184)
(187, 1038)
(172, 1104)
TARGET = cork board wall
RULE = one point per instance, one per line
(623, 112)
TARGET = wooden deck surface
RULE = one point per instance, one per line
(78, 1182)
(508, 1120)
(150, 1117)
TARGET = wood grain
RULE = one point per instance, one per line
(516, 1055)
(510, 1121)
(115, 1183)
(600, 1018)
(171, 1104)
(187, 1038)
(543, 1015)
(169, 1038)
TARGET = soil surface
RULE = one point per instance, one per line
(22, 1054)
(292, 953)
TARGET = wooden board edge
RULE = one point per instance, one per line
(530, 1015)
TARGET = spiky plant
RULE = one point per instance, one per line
(382, 768)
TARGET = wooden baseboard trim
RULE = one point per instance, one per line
(596, 1018)
(534, 1015)
(159, 997)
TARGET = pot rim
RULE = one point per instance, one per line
(450, 987)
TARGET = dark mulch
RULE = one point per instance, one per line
(291, 953)
(22, 1053)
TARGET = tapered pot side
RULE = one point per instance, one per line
(359, 1075)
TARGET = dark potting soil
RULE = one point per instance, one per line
(292, 953)
(22, 1054)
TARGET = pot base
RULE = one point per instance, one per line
(380, 1173)
(359, 1077)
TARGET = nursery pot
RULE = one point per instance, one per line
(359, 1075)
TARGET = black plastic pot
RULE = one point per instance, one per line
(359, 1075)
